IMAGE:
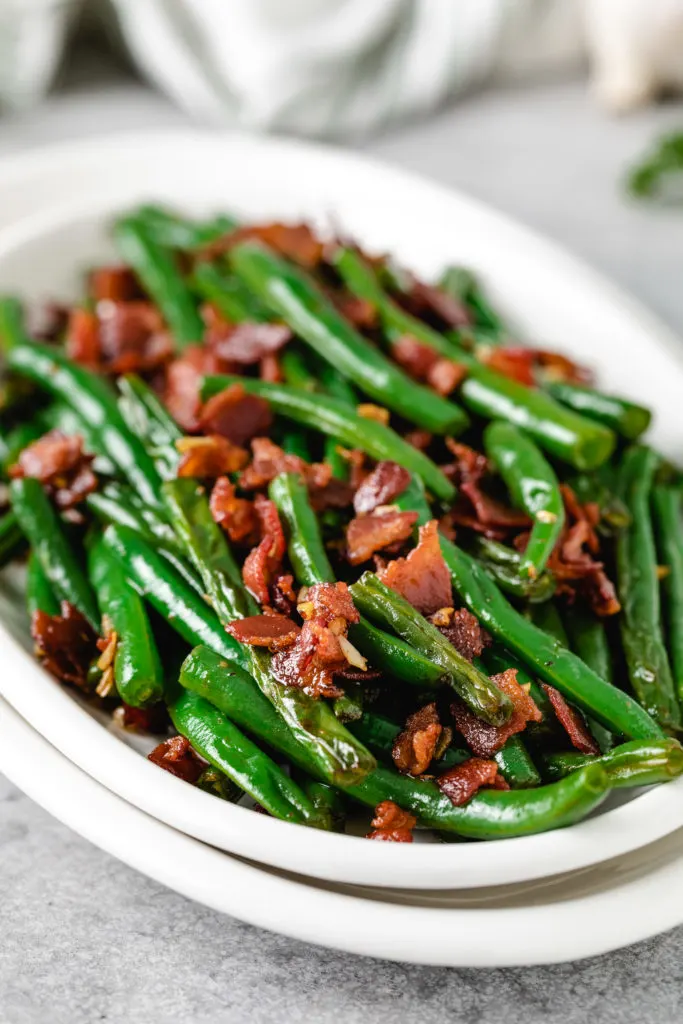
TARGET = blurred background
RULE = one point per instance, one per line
(553, 110)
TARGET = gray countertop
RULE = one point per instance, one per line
(84, 938)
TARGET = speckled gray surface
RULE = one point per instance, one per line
(83, 938)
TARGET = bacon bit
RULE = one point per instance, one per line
(377, 413)
(269, 369)
(334, 494)
(263, 562)
(464, 632)
(269, 461)
(246, 343)
(61, 465)
(235, 414)
(483, 739)
(209, 457)
(121, 337)
(295, 241)
(64, 643)
(420, 439)
(368, 534)
(361, 313)
(573, 560)
(572, 722)
(425, 298)
(183, 382)
(357, 469)
(83, 338)
(422, 740)
(424, 364)
(116, 284)
(176, 756)
(385, 483)
(521, 363)
(311, 663)
(236, 516)
(282, 596)
(276, 632)
(153, 720)
(392, 824)
(423, 577)
(476, 509)
(460, 783)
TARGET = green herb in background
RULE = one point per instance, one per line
(660, 174)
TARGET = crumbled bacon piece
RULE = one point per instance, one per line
(236, 415)
(269, 461)
(425, 364)
(422, 577)
(521, 363)
(282, 596)
(263, 562)
(423, 739)
(361, 313)
(295, 241)
(176, 756)
(61, 465)
(47, 321)
(276, 632)
(209, 457)
(392, 824)
(476, 509)
(380, 487)
(153, 719)
(465, 633)
(65, 643)
(116, 284)
(120, 337)
(246, 343)
(184, 377)
(322, 648)
(368, 534)
(269, 369)
(420, 439)
(573, 561)
(426, 299)
(483, 739)
(572, 722)
(237, 516)
(460, 783)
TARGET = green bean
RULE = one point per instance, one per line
(627, 418)
(289, 293)
(13, 390)
(310, 563)
(20, 437)
(172, 231)
(12, 542)
(666, 508)
(588, 639)
(95, 404)
(533, 487)
(118, 503)
(223, 745)
(295, 442)
(137, 666)
(298, 375)
(638, 587)
(40, 595)
(228, 294)
(505, 565)
(561, 432)
(338, 755)
(335, 418)
(638, 763)
(545, 656)
(165, 589)
(488, 815)
(391, 611)
(45, 532)
(148, 419)
(156, 268)
(462, 285)
(215, 782)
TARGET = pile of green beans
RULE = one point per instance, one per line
(143, 560)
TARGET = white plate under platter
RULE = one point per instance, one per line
(564, 918)
(547, 293)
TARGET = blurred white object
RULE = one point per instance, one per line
(636, 48)
(32, 38)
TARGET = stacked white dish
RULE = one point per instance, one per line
(517, 901)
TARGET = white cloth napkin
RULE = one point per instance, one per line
(340, 68)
